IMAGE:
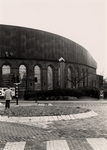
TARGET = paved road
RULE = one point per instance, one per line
(80, 134)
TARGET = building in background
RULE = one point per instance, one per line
(34, 56)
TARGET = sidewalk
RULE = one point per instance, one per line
(83, 100)
(33, 120)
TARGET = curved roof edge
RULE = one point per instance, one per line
(49, 45)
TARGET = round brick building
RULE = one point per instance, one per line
(42, 60)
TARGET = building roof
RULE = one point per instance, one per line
(27, 43)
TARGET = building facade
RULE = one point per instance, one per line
(34, 56)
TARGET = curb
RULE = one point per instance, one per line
(48, 118)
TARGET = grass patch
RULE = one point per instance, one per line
(30, 111)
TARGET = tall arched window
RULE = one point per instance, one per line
(76, 77)
(69, 78)
(37, 77)
(22, 76)
(59, 77)
(87, 76)
(22, 72)
(83, 77)
(50, 78)
(5, 69)
(6, 75)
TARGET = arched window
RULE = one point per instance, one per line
(22, 72)
(69, 78)
(6, 75)
(76, 77)
(83, 78)
(37, 77)
(59, 77)
(22, 76)
(87, 76)
(50, 78)
(5, 69)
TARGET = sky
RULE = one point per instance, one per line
(82, 21)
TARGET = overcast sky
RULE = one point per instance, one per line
(83, 21)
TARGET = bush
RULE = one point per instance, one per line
(75, 93)
(29, 94)
(90, 92)
(63, 94)
(57, 94)
(105, 94)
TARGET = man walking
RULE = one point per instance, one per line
(8, 97)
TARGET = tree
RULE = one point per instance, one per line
(77, 76)
(105, 83)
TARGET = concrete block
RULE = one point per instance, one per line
(64, 117)
(71, 116)
(68, 117)
(59, 117)
(55, 118)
